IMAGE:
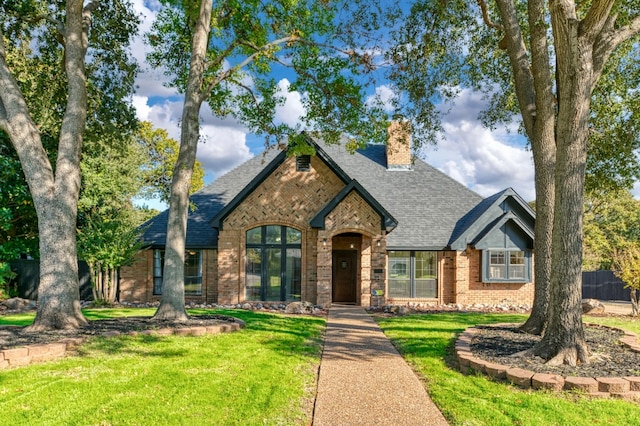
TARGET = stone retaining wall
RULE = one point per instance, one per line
(16, 357)
(621, 387)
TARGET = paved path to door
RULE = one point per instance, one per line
(363, 379)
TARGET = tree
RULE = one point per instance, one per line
(162, 152)
(55, 187)
(223, 52)
(18, 221)
(611, 222)
(626, 264)
(107, 220)
(554, 59)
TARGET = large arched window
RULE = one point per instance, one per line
(274, 263)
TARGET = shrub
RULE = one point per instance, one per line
(6, 275)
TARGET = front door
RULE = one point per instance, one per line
(344, 276)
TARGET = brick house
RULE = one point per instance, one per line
(368, 228)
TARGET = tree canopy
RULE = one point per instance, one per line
(226, 55)
(62, 83)
(556, 64)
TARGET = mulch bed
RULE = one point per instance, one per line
(608, 357)
(13, 336)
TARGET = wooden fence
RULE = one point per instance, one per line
(603, 285)
(28, 277)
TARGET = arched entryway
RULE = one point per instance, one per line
(345, 271)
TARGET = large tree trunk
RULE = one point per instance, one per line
(542, 137)
(635, 298)
(55, 197)
(563, 341)
(172, 306)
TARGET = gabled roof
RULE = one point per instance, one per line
(217, 220)
(496, 226)
(432, 211)
(208, 202)
(425, 202)
(490, 213)
(387, 221)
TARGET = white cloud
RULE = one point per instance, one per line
(485, 161)
(384, 96)
(293, 110)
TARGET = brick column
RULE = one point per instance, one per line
(324, 267)
(228, 267)
(462, 277)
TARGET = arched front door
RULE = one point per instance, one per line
(344, 276)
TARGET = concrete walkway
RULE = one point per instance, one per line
(363, 379)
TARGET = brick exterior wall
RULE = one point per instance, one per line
(291, 198)
(470, 289)
(136, 280)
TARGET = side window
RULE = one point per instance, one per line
(413, 274)
(192, 272)
(506, 266)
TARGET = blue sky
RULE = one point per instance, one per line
(485, 161)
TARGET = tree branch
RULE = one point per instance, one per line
(520, 64)
(486, 18)
(609, 39)
(596, 18)
(258, 51)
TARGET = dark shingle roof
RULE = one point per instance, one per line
(208, 202)
(426, 203)
(432, 209)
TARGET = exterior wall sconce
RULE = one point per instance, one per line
(324, 242)
(378, 243)
(352, 246)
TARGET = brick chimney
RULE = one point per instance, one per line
(399, 146)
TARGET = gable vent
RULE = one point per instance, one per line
(303, 163)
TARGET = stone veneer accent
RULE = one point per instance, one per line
(17, 357)
(620, 387)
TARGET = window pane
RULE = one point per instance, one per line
(516, 265)
(293, 274)
(426, 288)
(274, 234)
(158, 264)
(425, 264)
(254, 236)
(274, 269)
(516, 258)
(294, 236)
(497, 266)
(253, 273)
(425, 274)
(193, 273)
(399, 267)
(497, 258)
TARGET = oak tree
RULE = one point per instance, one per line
(52, 39)
(225, 53)
(552, 57)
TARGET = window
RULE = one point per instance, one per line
(413, 274)
(192, 272)
(274, 264)
(506, 265)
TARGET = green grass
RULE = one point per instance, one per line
(262, 375)
(425, 341)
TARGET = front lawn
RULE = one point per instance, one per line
(425, 341)
(264, 374)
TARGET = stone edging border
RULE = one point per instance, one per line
(25, 355)
(620, 387)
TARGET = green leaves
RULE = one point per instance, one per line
(159, 154)
(312, 43)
